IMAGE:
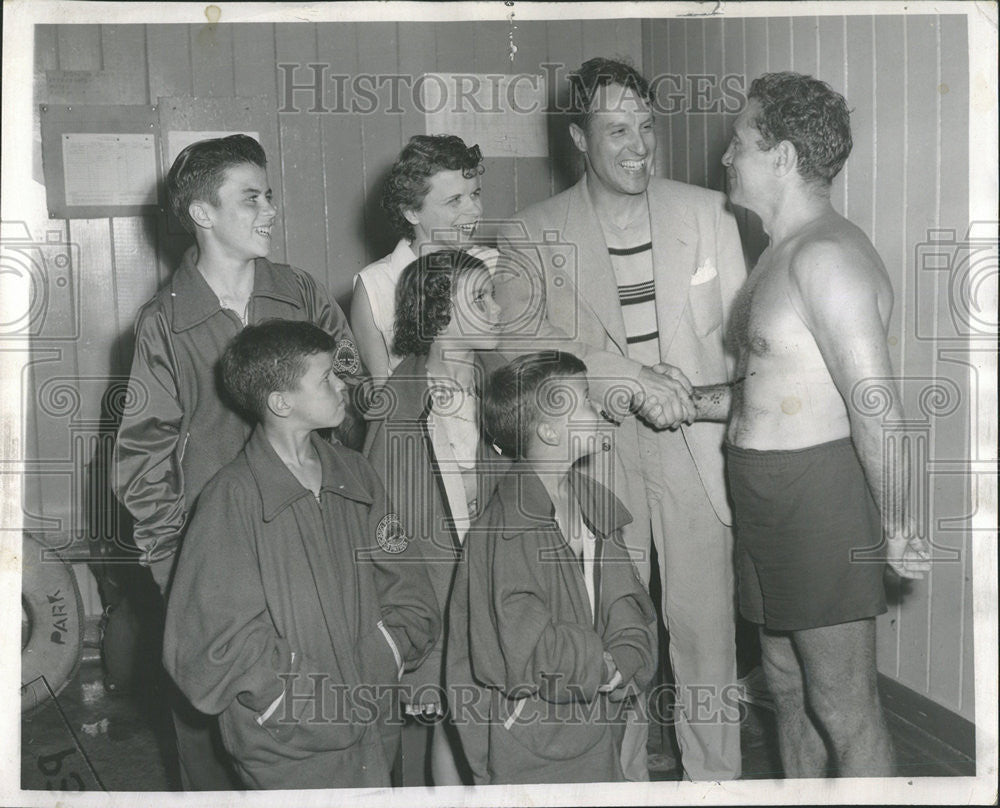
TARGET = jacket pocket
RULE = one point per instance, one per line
(553, 731)
(705, 300)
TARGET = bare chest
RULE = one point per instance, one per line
(764, 321)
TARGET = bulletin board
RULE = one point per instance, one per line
(100, 160)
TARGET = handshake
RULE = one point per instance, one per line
(663, 398)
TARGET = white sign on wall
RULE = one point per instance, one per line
(504, 113)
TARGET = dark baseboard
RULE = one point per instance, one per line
(939, 722)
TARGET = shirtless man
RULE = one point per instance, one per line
(805, 467)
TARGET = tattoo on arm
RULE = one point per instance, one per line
(713, 402)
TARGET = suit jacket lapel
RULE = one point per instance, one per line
(595, 277)
(675, 245)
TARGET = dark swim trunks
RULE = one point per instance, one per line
(805, 525)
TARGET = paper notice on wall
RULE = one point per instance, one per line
(178, 140)
(504, 113)
(109, 169)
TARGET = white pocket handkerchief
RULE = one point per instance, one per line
(705, 273)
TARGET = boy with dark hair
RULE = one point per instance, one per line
(289, 614)
(179, 430)
(548, 614)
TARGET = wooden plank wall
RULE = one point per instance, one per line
(327, 177)
(906, 81)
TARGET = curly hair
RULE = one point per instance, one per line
(269, 357)
(421, 158)
(600, 72)
(424, 298)
(200, 169)
(809, 114)
(511, 400)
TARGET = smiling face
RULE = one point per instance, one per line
(619, 141)
(475, 315)
(241, 222)
(317, 400)
(450, 211)
(748, 166)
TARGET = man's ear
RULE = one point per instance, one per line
(278, 404)
(546, 434)
(786, 158)
(579, 137)
(199, 213)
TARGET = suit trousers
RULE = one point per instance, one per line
(695, 552)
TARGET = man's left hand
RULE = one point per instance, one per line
(909, 554)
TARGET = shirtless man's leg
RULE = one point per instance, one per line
(803, 753)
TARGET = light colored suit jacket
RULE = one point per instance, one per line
(557, 289)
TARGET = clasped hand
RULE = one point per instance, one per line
(664, 397)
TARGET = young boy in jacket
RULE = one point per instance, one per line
(549, 614)
(297, 602)
(178, 430)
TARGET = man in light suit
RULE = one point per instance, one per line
(636, 275)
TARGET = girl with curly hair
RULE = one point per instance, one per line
(425, 440)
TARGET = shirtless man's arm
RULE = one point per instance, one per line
(836, 291)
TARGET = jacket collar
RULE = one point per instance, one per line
(194, 301)
(278, 487)
(526, 504)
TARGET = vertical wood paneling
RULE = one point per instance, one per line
(531, 174)
(168, 50)
(565, 47)
(381, 133)
(952, 587)
(756, 59)
(804, 54)
(676, 66)
(491, 55)
(921, 170)
(697, 129)
(889, 161)
(168, 54)
(779, 38)
(888, 235)
(831, 70)
(302, 193)
(344, 187)
(254, 65)
(953, 203)
(46, 47)
(655, 62)
(212, 62)
(967, 699)
(716, 126)
(861, 101)
(124, 48)
(80, 47)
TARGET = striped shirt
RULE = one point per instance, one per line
(633, 268)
